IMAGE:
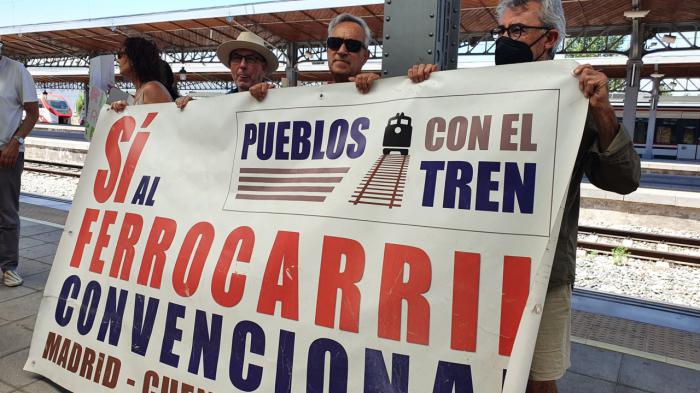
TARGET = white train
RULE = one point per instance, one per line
(677, 131)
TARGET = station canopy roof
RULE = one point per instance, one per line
(301, 21)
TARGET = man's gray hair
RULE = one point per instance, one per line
(354, 19)
(552, 14)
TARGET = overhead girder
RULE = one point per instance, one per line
(684, 36)
(56, 85)
(191, 57)
(687, 36)
(681, 84)
(185, 86)
(677, 85)
(471, 45)
(56, 62)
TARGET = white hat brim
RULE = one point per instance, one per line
(223, 52)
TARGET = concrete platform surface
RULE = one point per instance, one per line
(666, 166)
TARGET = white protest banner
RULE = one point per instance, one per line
(320, 241)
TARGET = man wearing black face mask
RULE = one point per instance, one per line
(511, 51)
(530, 30)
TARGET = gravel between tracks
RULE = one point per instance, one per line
(49, 185)
(658, 281)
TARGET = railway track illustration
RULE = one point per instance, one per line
(384, 183)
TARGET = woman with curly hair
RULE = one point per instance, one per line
(139, 62)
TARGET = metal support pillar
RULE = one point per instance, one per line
(634, 69)
(651, 127)
(292, 70)
(420, 31)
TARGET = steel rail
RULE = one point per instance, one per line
(673, 257)
(652, 237)
(57, 172)
(643, 253)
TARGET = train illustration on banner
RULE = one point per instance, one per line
(385, 182)
(397, 134)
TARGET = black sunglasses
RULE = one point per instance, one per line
(351, 45)
(515, 30)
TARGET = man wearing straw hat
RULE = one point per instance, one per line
(248, 59)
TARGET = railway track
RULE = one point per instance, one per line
(641, 245)
(52, 168)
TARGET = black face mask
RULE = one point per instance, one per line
(510, 51)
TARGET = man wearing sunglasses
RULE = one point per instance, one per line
(347, 43)
(249, 60)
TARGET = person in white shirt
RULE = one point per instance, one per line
(17, 95)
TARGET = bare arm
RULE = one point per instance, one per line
(594, 86)
(8, 156)
(27, 125)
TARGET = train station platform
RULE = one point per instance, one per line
(627, 346)
(678, 167)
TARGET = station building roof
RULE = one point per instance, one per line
(672, 68)
(302, 21)
(306, 22)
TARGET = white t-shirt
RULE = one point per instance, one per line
(16, 89)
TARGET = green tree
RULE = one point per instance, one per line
(616, 84)
(80, 103)
(583, 47)
(592, 46)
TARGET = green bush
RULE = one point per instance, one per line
(619, 254)
(80, 103)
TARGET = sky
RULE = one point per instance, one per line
(23, 12)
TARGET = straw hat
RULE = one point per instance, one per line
(250, 41)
